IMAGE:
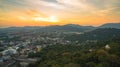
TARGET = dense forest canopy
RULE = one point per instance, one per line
(99, 54)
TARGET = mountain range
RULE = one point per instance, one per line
(63, 28)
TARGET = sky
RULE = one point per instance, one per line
(58, 12)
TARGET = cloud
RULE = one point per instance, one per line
(59, 4)
(68, 10)
(75, 4)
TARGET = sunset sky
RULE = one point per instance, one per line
(58, 12)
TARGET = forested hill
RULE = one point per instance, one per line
(111, 25)
(98, 34)
(106, 55)
(58, 28)
(54, 28)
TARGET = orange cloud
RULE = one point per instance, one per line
(43, 12)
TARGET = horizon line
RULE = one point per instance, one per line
(61, 25)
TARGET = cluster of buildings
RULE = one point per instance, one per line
(13, 45)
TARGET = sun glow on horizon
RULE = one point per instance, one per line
(58, 12)
(52, 19)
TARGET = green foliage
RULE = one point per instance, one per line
(99, 34)
(52, 56)
(77, 56)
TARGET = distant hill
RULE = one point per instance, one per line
(68, 28)
(57, 28)
(98, 34)
(111, 25)
(64, 28)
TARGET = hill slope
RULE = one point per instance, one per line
(111, 25)
(98, 34)
(64, 28)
